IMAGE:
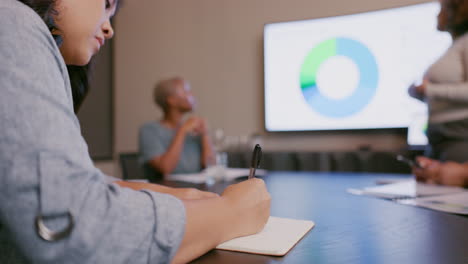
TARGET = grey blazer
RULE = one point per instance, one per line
(45, 167)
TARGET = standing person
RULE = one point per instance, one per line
(445, 88)
(174, 144)
(55, 206)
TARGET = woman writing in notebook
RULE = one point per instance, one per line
(56, 207)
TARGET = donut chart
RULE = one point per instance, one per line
(367, 84)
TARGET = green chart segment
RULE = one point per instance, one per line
(314, 59)
(368, 77)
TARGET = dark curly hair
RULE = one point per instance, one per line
(79, 75)
(455, 16)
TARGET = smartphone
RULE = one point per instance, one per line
(411, 163)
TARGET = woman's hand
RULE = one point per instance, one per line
(243, 209)
(428, 171)
(191, 125)
(418, 91)
(251, 201)
(421, 89)
(445, 173)
(196, 125)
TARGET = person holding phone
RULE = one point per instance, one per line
(55, 205)
(445, 88)
(444, 173)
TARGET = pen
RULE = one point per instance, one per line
(256, 156)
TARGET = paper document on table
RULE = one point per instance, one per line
(406, 189)
(456, 203)
(277, 237)
(230, 174)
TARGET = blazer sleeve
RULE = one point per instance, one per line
(45, 167)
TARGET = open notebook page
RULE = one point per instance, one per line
(276, 239)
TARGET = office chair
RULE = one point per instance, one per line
(314, 161)
(384, 162)
(346, 162)
(279, 161)
(131, 168)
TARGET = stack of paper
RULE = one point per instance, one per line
(406, 189)
(451, 203)
(436, 197)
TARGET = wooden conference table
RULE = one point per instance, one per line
(353, 229)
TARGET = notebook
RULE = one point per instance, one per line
(277, 237)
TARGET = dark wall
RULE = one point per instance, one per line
(96, 113)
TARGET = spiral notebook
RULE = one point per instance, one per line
(276, 239)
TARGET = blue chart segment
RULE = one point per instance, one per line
(367, 84)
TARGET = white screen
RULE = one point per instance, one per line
(349, 72)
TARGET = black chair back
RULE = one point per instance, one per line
(131, 167)
(314, 161)
(279, 161)
(346, 162)
(385, 162)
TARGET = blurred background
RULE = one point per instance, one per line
(218, 46)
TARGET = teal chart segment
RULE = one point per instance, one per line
(367, 84)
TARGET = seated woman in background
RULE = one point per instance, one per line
(55, 206)
(446, 173)
(174, 145)
(445, 88)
